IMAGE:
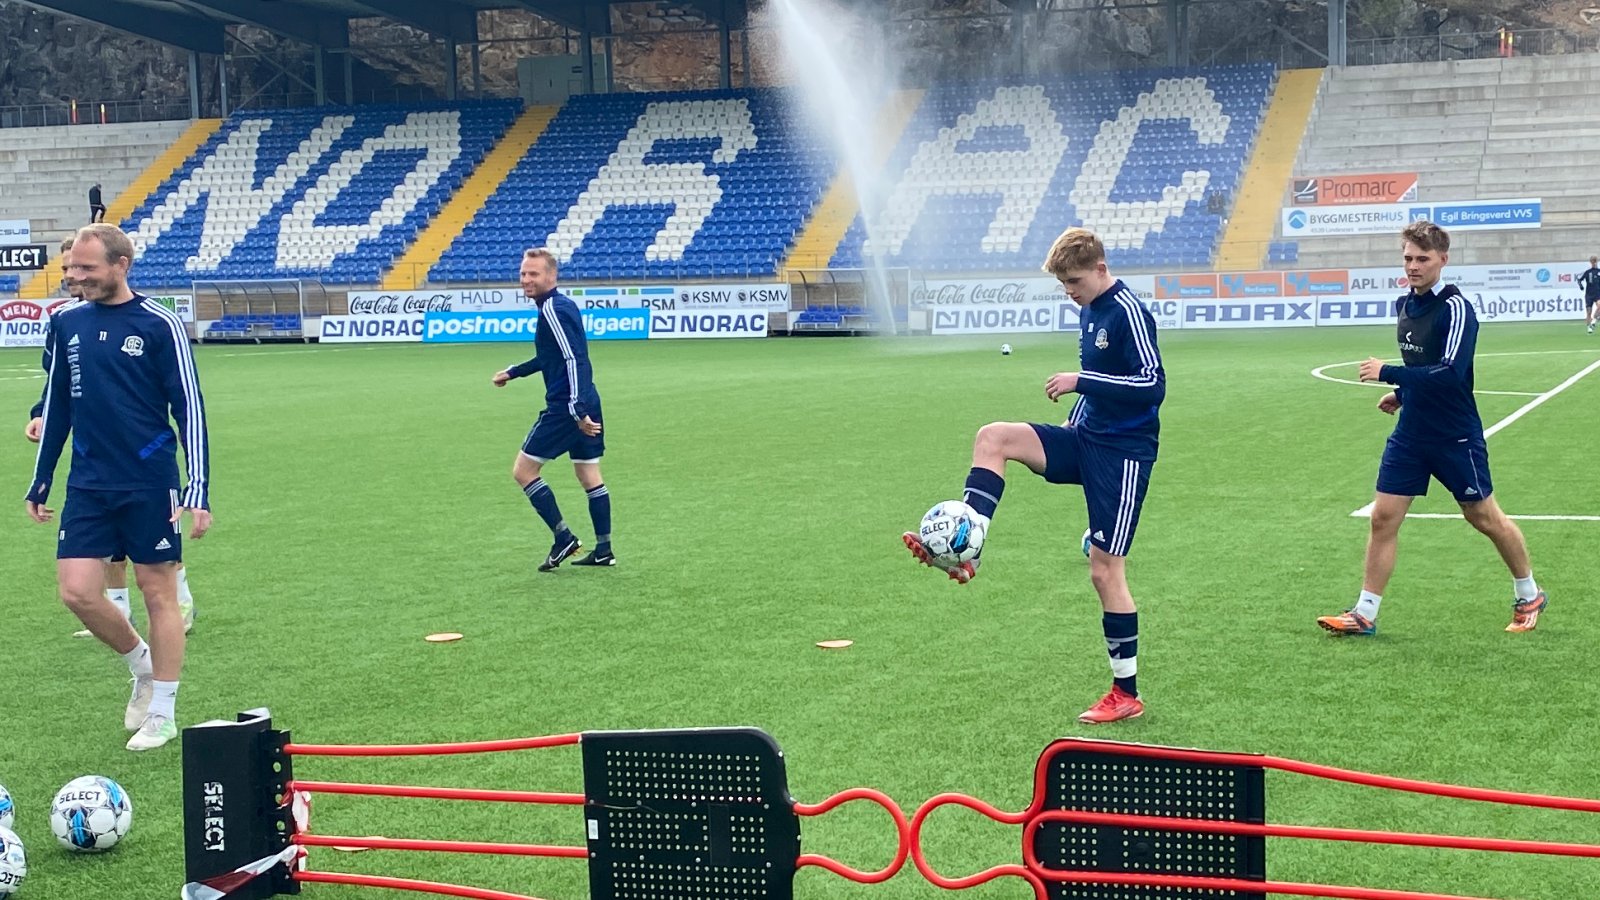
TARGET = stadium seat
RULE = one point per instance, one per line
(329, 193)
(988, 173)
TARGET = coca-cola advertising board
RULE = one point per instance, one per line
(408, 303)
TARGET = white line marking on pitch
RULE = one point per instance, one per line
(287, 352)
(1366, 511)
(1322, 371)
(1521, 518)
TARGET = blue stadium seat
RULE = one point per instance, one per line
(715, 184)
(329, 193)
(1063, 138)
(706, 184)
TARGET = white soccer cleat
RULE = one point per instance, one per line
(139, 703)
(154, 732)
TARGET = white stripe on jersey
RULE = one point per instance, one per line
(194, 426)
(1458, 328)
(549, 315)
(44, 425)
(1121, 534)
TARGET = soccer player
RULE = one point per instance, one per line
(1590, 282)
(1108, 445)
(1439, 435)
(119, 362)
(570, 422)
(117, 566)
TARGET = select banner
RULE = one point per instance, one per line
(23, 257)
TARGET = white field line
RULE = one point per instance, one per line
(1366, 511)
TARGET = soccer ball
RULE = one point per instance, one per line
(953, 532)
(91, 814)
(7, 808)
(1005, 349)
(1086, 543)
(13, 862)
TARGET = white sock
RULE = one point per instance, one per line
(139, 660)
(1525, 588)
(165, 699)
(119, 599)
(183, 588)
(1367, 606)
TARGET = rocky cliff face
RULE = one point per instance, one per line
(48, 59)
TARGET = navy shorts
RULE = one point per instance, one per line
(112, 524)
(1113, 485)
(1461, 466)
(556, 433)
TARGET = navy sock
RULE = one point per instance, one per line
(600, 512)
(983, 491)
(544, 503)
(1122, 644)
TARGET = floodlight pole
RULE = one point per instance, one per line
(1177, 33)
(194, 84)
(1338, 35)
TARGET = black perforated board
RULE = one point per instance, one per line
(1103, 781)
(694, 814)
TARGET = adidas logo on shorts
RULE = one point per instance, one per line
(164, 545)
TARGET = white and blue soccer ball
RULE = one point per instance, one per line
(953, 532)
(7, 808)
(1086, 543)
(13, 862)
(91, 814)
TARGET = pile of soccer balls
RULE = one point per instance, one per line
(89, 815)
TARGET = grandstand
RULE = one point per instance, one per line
(707, 185)
(48, 171)
(1180, 169)
(335, 194)
(692, 185)
(1471, 129)
(987, 175)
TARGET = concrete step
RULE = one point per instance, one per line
(1320, 160)
(1389, 110)
(1387, 144)
(67, 170)
(1512, 140)
(1357, 124)
(1519, 124)
(1556, 94)
(157, 138)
